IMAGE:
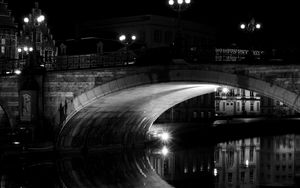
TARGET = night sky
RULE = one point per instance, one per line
(279, 18)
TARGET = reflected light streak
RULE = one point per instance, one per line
(164, 151)
(165, 136)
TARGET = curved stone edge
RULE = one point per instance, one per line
(221, 78)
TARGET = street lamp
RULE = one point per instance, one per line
(32, 23)
(127, 40)
(250, 28)
(179, 6)
(24, 51)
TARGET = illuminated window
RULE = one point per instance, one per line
(185, 170)
(2, 49)
(194, 114)
(230, 159)
(238, 106)
(202, 114)
(3, 41)
(251, 94)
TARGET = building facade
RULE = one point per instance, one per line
(45, 44)
(231, 101)
(8, 33)
(152, 31)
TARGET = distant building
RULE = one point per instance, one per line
(152, 31)
(231, 101)
(45, 44)
(8, 33)
(226, 101)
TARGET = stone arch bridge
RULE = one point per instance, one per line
(116, 105)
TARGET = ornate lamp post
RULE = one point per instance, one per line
(32, 78)
(127, 40)
(32, 23)
(250, 28)
(179, 6)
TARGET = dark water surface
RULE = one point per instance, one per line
(194, 159)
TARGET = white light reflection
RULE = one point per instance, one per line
(165, 136)
(164, 151)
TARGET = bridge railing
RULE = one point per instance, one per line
(89, 61)
(123, 58)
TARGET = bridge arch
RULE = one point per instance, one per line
(121, 111)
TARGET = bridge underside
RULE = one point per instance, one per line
(120, 112)
(124, 117)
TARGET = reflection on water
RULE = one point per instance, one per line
(130, 169)
(250, 162)
(185, 168)
(109, 169)
(266, 161)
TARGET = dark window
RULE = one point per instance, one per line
(251, 177)
(229, 177)
(243, 177)
(157, 36)
(251, 154)
(168, 37)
